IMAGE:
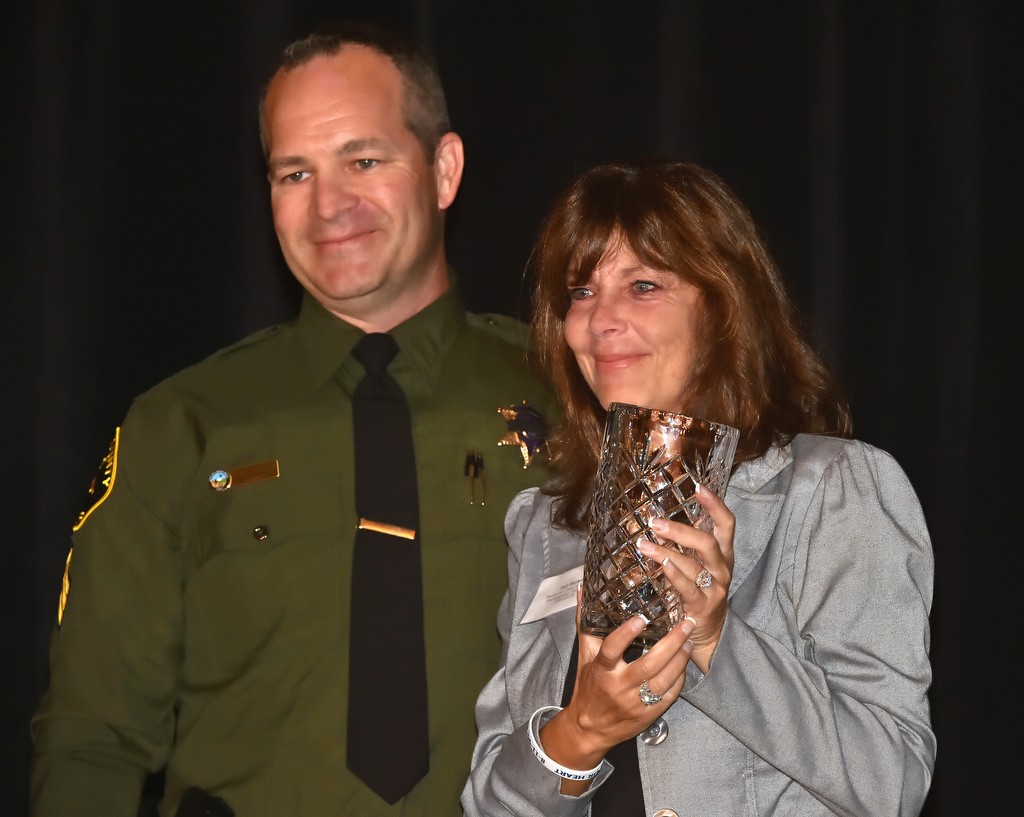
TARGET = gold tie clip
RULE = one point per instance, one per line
(384, 527)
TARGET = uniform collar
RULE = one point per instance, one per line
(423, 340)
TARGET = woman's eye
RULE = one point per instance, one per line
(644, 286)
(578, 293)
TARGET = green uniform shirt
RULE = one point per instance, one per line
(208, 630)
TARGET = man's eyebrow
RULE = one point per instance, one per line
(356, 145)
(345, 149)
(282, 162)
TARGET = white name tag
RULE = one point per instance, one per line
(555, 593)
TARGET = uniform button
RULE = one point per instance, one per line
(259, 533)
(665, 812)
(655, 733)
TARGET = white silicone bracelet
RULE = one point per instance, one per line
(533, 730)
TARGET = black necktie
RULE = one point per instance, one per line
(622, 794)
(387, 694)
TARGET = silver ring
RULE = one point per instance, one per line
(647, 697)
(704, 579)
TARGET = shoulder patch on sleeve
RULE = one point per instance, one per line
(65, 589)
(103, 483)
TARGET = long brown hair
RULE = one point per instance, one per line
(756, 369)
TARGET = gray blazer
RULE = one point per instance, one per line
(816, 700)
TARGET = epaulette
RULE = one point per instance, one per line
(249, 340)
(509, 329)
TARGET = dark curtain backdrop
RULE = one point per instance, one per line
(874, 142)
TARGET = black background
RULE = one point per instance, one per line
(876, 143)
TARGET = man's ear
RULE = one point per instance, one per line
(448, 164)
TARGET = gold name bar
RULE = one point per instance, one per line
(255, 473)
(383, 527)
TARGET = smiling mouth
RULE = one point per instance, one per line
(613, 361)
(339, 242)
(345, 238)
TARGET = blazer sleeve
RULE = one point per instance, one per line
(842, 708)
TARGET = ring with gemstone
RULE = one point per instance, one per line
(646, 696)
(704, 579)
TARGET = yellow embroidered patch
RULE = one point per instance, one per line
(103, 483)
(99, 489)
(65, 586)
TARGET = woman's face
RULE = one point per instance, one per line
(632, 330)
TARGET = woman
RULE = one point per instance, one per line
(797, 683)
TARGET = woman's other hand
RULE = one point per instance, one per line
(607, 706)
(702, 574)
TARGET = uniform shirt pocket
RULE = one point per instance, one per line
(264, 576)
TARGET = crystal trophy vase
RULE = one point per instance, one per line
(651, 461)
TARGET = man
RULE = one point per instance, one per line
(204, 618)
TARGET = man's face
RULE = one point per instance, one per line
(357, 208)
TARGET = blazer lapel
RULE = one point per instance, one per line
(564, 551)
(756, 513)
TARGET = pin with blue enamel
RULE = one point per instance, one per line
(527, 429)
(222, 480)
